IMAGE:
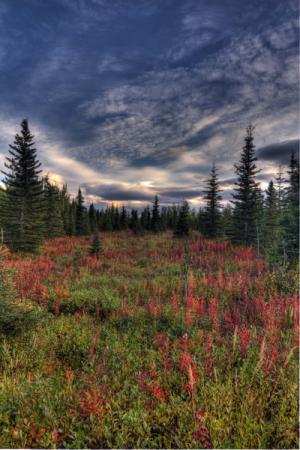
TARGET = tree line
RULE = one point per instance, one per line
(33, 209)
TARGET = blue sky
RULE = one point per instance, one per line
(132, 98)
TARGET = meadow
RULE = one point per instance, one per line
(158, 343)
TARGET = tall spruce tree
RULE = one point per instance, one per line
(123, 218)
(280, 188)
(183, 223)
(213, 207)
(65, 204)
(291, 207)
(271, 221)
(54, 226)
(116, 220)
(155, 217)
(246, 194)
(23, 207)
(146, 219)
(134, 223)
(92, 218)
(226, 223)
(80, 216)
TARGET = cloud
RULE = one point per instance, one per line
(149, 92)
(138, 192)
(118, 192)
(279, 152)
(204, 122)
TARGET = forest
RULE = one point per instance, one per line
(33, 209)
(157, 327)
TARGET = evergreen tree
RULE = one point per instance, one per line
(80, 216)
(116, 220)
(183, 223)
(213, 207)
(92, 218)
(226, 222)
(271, 221)
(291, 213)
(72, 219)
(246, 194)
(65, 203)
(96, 247)
(23, 208)
(123, 218)
(280, 188)
(173, 217)
(146, 219)
(259, 220)
(155, 218)
(201, 221)
(54, 226)
(134, 221)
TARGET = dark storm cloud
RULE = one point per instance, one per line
(116, 192)
(119, 193)
(149, 90)
(279, 152)
(160, 158)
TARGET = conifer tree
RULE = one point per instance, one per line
(92, 218)
(123, 218)
(226, 222)
(271, 221)
(116, 220)
(53, 217)
(291, 210)
(134, 221)
(146, 219)
(173, 216)
(246, 193)
(155, 218)
(96, 246)
(65, 203)
(183, 222)
(72, 219)
(23, 207)
(80, 216)
(280, 188)
(213, 206)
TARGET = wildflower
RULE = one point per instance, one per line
(69, 374)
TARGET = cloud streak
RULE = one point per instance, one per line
(149, 93)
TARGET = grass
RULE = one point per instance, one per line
(158, 343)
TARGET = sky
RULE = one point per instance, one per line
(132, 98)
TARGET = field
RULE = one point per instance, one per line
(160, 343)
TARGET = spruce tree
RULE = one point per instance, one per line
(213, 207)
(54, 226)
(226, 222)
(280, 187)
(23, 207)
(271, 221)
(80, 216)
(183, 222)
(65, 203)
(155, 218)
(96, 246)
(134, 221)
(246, 194)
(72, 219)
(123, 218)
(291, 210)
(116, 220)
(146, 219)
(92, 218)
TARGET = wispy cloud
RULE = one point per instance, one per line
(148, 93)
